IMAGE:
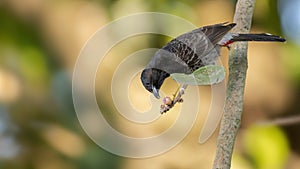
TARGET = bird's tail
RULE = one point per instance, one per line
(256, 37)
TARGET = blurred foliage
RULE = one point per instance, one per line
(266, 16)
(267, 147)
(45, 100)
(37, 117)
(292, 62)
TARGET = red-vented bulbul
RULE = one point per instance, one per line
(192, 50)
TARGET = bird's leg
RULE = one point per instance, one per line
(176, 92)
(179, 93)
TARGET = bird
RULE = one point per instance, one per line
(192, 50)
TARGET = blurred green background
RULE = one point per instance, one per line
(41, 39)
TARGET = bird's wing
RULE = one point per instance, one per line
(203, 40)
(204, 43)
(189, 51)
(215, 33)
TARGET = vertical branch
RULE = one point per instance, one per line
(238, 65)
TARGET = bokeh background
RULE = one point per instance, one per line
(41, 39)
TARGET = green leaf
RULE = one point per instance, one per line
(207, 75)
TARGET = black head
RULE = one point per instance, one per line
(152, 80)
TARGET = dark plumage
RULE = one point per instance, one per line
(190, 51)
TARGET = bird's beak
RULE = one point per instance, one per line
(155, 92)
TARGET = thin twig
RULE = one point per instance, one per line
(281, 121)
